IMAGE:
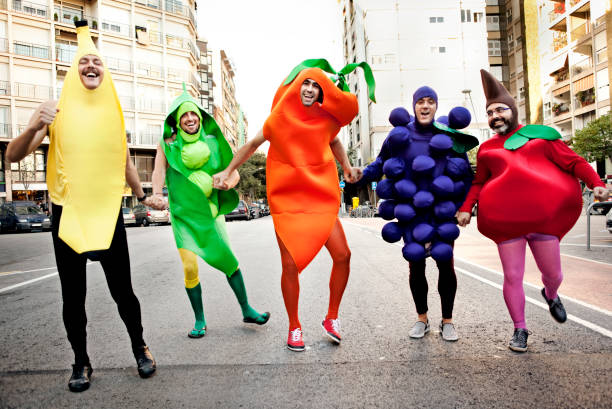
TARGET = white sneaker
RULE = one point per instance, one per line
(447, 330)
(419, 329)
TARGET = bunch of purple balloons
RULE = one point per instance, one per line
(425, 193)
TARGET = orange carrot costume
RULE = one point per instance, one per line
(302, 180)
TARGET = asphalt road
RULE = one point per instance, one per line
(237, 365)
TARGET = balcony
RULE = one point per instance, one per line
(149, 70)
(582, 66)
(584, 98)
(148, 138)
(5, 88)
(127, 102)
(574, 2)
(559, 109)
(154, 4)
(119, 65)
(559, 41)
(32, 91)
(65, 53)
(69, 16)
(32, 50)
(581, 31)
(172, 6)
(6, 131)
(116, 28)
(154, 37)
(555, 14)
(4, 45)
(33, 9)
(151, 105)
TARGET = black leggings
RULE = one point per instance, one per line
(447, 286)
(72, 273)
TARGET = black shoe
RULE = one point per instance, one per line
(556, 308)
(145, 361)
(79, 381)
(518, 342)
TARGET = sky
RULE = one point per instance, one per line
(267, 38)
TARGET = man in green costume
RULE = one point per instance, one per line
(192, 149)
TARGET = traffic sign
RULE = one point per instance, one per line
(373, 185)
(342, 184)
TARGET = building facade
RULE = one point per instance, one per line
(205, 76)
(149, 47)
(226, 108)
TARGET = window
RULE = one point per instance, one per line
(438, 50)
(477, 17)
(389, 58)
(494, 47)
(493, 22)
(434, 20)
(466, 16)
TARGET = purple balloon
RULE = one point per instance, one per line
(440, 143)
(399, 117)
(386, 209)
(423, 199)
(448, 232)
(459, 118)
(443, 120)
(385, 189)
(423, 164)
(398, 138)
(405, 188)
(445, 210)
(394, 167)
(442, 186)
(413, 252)
(404, 212)
(456, 168)
(441, 252)
(391, 232)
(423, 232)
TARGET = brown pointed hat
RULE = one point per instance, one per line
(495, 92)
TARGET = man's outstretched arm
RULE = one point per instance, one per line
(229, 177)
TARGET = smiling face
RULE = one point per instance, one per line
(190, 122)
(425, 110)
(500, 117)
(310, 92)
(91, 71)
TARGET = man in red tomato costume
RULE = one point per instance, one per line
(516, 171)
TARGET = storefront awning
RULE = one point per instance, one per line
(561, 90)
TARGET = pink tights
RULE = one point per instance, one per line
(546, 251)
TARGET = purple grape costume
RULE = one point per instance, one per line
(427, 176)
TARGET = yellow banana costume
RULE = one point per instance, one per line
(87, 154)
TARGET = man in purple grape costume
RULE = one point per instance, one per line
(427, 175)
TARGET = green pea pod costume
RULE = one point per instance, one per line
(196, 209)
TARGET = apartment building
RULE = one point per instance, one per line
(408, 44)
(205, 76)
(226, 110)
(574, 55)
(149, 46)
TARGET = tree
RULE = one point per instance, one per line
(252, 183)
(594, 141)
(27, 173)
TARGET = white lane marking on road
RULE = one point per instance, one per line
(574, 300)
(10, 273)
(2, 290)
(584, 245)
(588, 324)
(586, 259)
(537, 287)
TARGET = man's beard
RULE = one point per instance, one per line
(500, 129)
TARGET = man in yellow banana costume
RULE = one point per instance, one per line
(87, 168)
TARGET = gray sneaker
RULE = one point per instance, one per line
(447, 330)
(419, 329)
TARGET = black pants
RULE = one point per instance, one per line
(447, 286)
(71, 268)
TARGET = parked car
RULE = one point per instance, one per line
(146, 216)
(240, 212)
(23, 216)
(128, 216)
(264, 210)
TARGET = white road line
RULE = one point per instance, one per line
(588, 324)
(586, 259)
(584, 245)
(2, 290)
(27, 271)
(537, 287)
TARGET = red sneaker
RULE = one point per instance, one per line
(332, 329)
(295, 341)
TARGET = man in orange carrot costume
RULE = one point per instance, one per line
(307, 113)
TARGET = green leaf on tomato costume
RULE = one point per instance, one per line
(523, 135)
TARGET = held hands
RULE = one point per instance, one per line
(44, 115)
(463, 218)
(156, 202)
(601, 193)
(353, 175)
(225, 180)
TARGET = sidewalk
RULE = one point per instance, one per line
(587, 274)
